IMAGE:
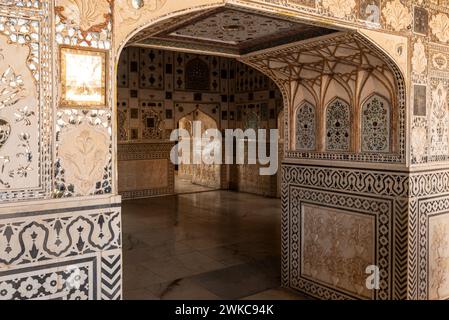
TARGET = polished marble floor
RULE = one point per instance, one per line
(185, 186)
(208, 245)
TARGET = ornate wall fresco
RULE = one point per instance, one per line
(406, 190)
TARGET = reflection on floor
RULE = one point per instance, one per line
(184, 186)
(210, 245)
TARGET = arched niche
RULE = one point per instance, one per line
(305, 126)
(375, 123)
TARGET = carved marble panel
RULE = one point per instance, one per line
(337, 247)
(84, 153)
(439, 257)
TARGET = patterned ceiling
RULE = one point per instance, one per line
(233, 31)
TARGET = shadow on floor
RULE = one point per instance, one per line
(203, 246)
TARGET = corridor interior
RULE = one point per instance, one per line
(202, 231)
(203, 246)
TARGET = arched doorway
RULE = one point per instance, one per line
(207, 176)
(184, 223)
(332, 140)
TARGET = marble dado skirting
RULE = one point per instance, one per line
(63, 250)
(145, 170)
(338, 221)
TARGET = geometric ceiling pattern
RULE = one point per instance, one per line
(232, 31)
(341, 56)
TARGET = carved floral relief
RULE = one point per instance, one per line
(419, 61)
(419, 142)
(397, 15)
(439, 258)
(339, 8)
(337, 248)
(89, 15)
(84, 152)
(440, 27)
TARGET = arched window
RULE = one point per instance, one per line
(376, 125)
(197, 75)
(252, 121)
(305, 127)
(338, 126)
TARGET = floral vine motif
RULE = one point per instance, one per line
(23, 169)
(24, 115)
(11, 88)
(89, 15)
(397, 15)
(419, 60)
(438, 129)
(339, 8)
(5, 132)
(440, 27)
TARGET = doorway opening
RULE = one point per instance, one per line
(200, 231)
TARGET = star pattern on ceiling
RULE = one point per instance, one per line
(231, 31)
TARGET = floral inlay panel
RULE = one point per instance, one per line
(305, 127)
(338, 126)
(337, 247)
(376, 125)
(19, 119)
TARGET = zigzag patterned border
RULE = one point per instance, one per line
(111, 277)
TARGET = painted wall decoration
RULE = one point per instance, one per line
(57, 256)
